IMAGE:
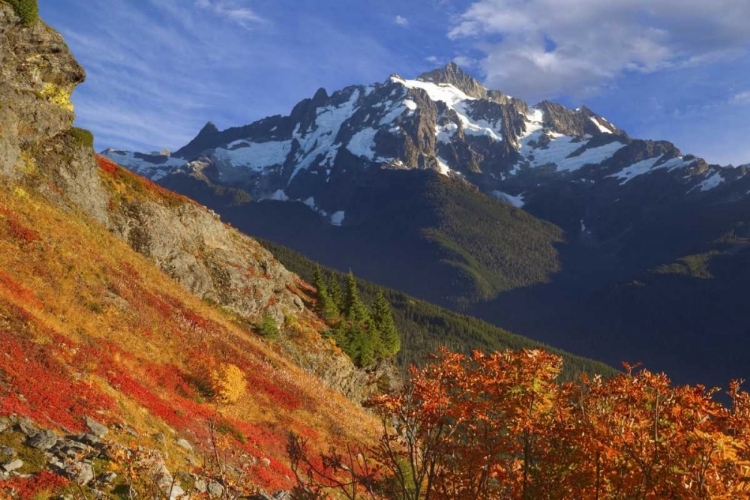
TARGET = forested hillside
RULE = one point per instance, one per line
(424, 327)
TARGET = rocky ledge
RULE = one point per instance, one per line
(91, 464)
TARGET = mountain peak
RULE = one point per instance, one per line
(209, 128)
(452, 74)
(202, 141)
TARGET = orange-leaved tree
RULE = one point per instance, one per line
(500, 426)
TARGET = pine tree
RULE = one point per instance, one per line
(354, 309)
(334, 291)
(389, 341)
(326, 306)
(357, 334)
(364, 344)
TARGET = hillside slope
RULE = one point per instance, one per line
(130, 318)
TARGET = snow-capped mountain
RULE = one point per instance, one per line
(444, 121)
(549, 221)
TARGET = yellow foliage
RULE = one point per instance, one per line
(21, 193)
(57, 95)
(229, 383)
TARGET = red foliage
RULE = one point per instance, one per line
(176, 411)
(500, 426)
(16, 230)
(275, 476)
(259, 380)
(18, 291)
(43, 389)
(107, 165)
(155, 302)
(44, 482)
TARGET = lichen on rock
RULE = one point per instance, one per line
(58, 96)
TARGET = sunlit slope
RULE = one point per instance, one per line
(88, 327)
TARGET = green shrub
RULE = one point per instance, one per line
(27, 10)
(82, 136)
(267, 327)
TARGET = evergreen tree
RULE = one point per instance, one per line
(389, 340)
(364, 340)
(354, 309)
(334, 291)
(267, 327)
(326, 306)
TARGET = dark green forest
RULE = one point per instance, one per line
(424, 327)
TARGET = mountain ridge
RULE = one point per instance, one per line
(498, 143)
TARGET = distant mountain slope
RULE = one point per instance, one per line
(394, 180)
(426, 327)
(420, 233)
(339, 156)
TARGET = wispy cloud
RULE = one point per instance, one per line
(544, 48)
(741, 98)
(401, 21)
(465, 62)
(159, 69)
(244, 16)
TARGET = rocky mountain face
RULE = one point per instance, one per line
(535, 217)
(444, 121)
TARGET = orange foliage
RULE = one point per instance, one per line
(499, 426)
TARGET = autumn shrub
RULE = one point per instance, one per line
(500, 425)
(27, 10)
(229, 383)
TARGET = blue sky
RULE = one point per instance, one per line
(159, 69)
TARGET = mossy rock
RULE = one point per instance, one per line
(27, 10)
(82, 136)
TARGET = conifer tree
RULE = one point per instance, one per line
(326, 306)
(334, 291)
(354, 309)
(389, 341)
(364, 344)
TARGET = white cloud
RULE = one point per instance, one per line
(465, 62)
(244, 16)
(742, 98)
(401, 21)
(544, 48)
(433, 59)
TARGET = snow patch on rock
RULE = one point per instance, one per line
(255, 156)
(649, 165)
(516, 201)
(153, 170)
(322, 136)
(338, 218)
(712, 182)
(362, 143)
